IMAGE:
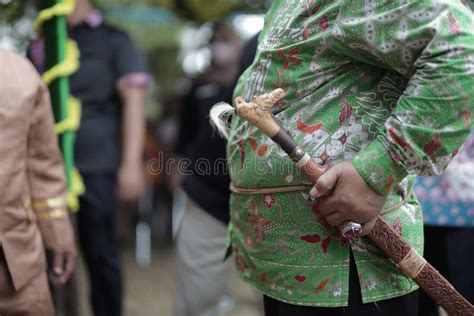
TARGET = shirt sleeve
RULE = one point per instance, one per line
(432, 46)
(129, 64)
(45, 169)
(44, 163)
(35, 54)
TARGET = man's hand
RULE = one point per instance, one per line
(130, 181)
(64, 264)
(58, 238)
(345, 196)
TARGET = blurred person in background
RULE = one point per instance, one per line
(448, 210)
(110, 84)
(201, 274)
(33, 211)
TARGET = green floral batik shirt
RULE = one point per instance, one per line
(386, 84)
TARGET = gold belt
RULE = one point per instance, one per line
(302, 188)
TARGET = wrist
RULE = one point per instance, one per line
(57, 233)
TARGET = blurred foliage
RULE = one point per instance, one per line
(199, 11)
(10, 11)
(15, 23)
(206, 10)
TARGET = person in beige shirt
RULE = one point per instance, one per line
(33, 209)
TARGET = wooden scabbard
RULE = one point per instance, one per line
(428, 278)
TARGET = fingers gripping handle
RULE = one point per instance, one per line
(313, 170)
(348, 229)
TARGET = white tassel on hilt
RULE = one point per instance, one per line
(219, 118)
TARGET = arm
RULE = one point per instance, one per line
(433, 47)
(432, 118)
(47, 187)
(133, 137)
(131, 86)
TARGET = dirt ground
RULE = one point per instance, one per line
(150, 291)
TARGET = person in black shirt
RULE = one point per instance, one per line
(110, 84)
(201, 273)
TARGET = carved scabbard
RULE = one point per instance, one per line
(413, 264)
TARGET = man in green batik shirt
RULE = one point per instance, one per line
(380, 90)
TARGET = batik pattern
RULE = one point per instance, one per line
(384, 85)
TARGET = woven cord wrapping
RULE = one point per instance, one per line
(65, 68)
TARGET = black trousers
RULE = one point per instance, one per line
(406, 305)
(97, 236)
(451, 251)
